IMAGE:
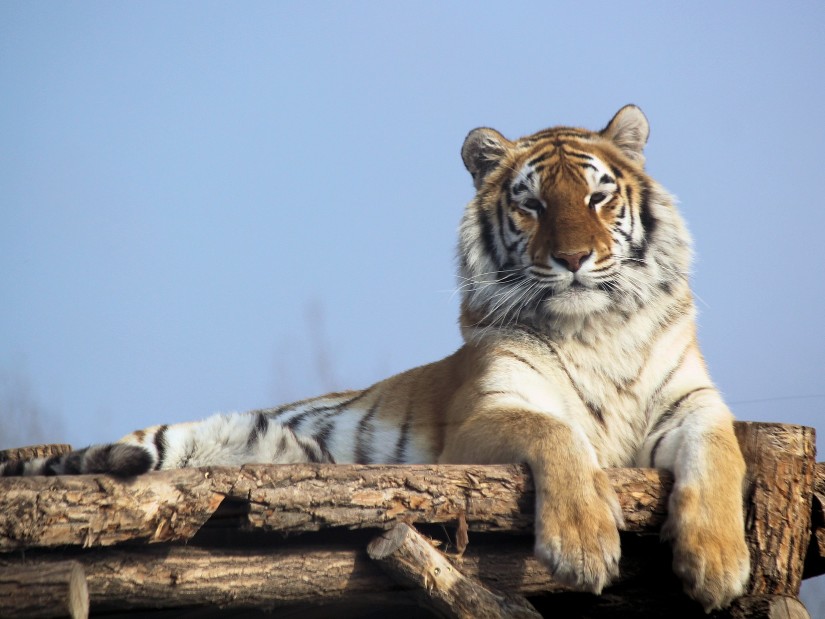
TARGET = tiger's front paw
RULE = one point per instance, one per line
(577, 532)
(710, 555)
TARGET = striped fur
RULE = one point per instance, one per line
(580, 353)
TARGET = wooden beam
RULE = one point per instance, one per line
(98, 510)
(54, 589)
(413, 562)
(778, 499)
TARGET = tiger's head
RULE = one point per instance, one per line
(566, 225)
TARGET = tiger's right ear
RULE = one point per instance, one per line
(483, 149)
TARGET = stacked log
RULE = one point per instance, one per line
(214, 537)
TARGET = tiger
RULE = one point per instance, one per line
(579, 353)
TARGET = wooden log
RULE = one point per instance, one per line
(413, 562)
(778, 501)
(767, 607)
(815, 560)
(55, 589)
(34, 451)
(267, 572)
(98, 510)
(272, 574)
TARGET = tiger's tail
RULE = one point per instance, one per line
(221, 440)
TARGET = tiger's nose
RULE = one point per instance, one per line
(573, 261)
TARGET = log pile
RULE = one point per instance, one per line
(349, 539)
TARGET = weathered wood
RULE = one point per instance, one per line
(778, 499)
(268, 572)
(273, 574)
(413, 562)
(767, 607)
(98, 510)
(784, 488)
(815, 559)
(34, 451)
(55, 589)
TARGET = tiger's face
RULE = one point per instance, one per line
(565, 223)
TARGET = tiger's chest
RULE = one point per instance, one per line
(609, 385)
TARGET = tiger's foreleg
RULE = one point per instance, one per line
(705, 520)
(577, 512)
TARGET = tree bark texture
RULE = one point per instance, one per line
(815, 561)
(98, 510)
(768, 607)
(413, 562)
(80, 515)
(778, 501)
(55, 589)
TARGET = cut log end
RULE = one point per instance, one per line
(55, 590)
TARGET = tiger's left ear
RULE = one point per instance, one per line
(629, 130)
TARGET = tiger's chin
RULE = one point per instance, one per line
(577, 301)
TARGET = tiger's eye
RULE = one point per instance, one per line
(531, 204)
(597, 198)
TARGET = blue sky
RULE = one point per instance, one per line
(209, 207)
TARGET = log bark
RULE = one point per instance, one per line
(56, 589)
(173, 506)
(815, 560)
(98, 510)
(767, 607)
(272, 574)
(778, 500)
(413, 562)
(267, 573)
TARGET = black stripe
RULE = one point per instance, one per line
(272, 413)
(260, 429)
(160, 445)
(655, 449)
(14, 468)
(322, 436)
(649, 221)
(536, 160)
(332, 409)
(73, 462)
(504, 218)
(400, 455)
(487, 236)
(517, 357)
(667, 416)
(575, 155)
(364, 435)
(594, 409)
(50, 468)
